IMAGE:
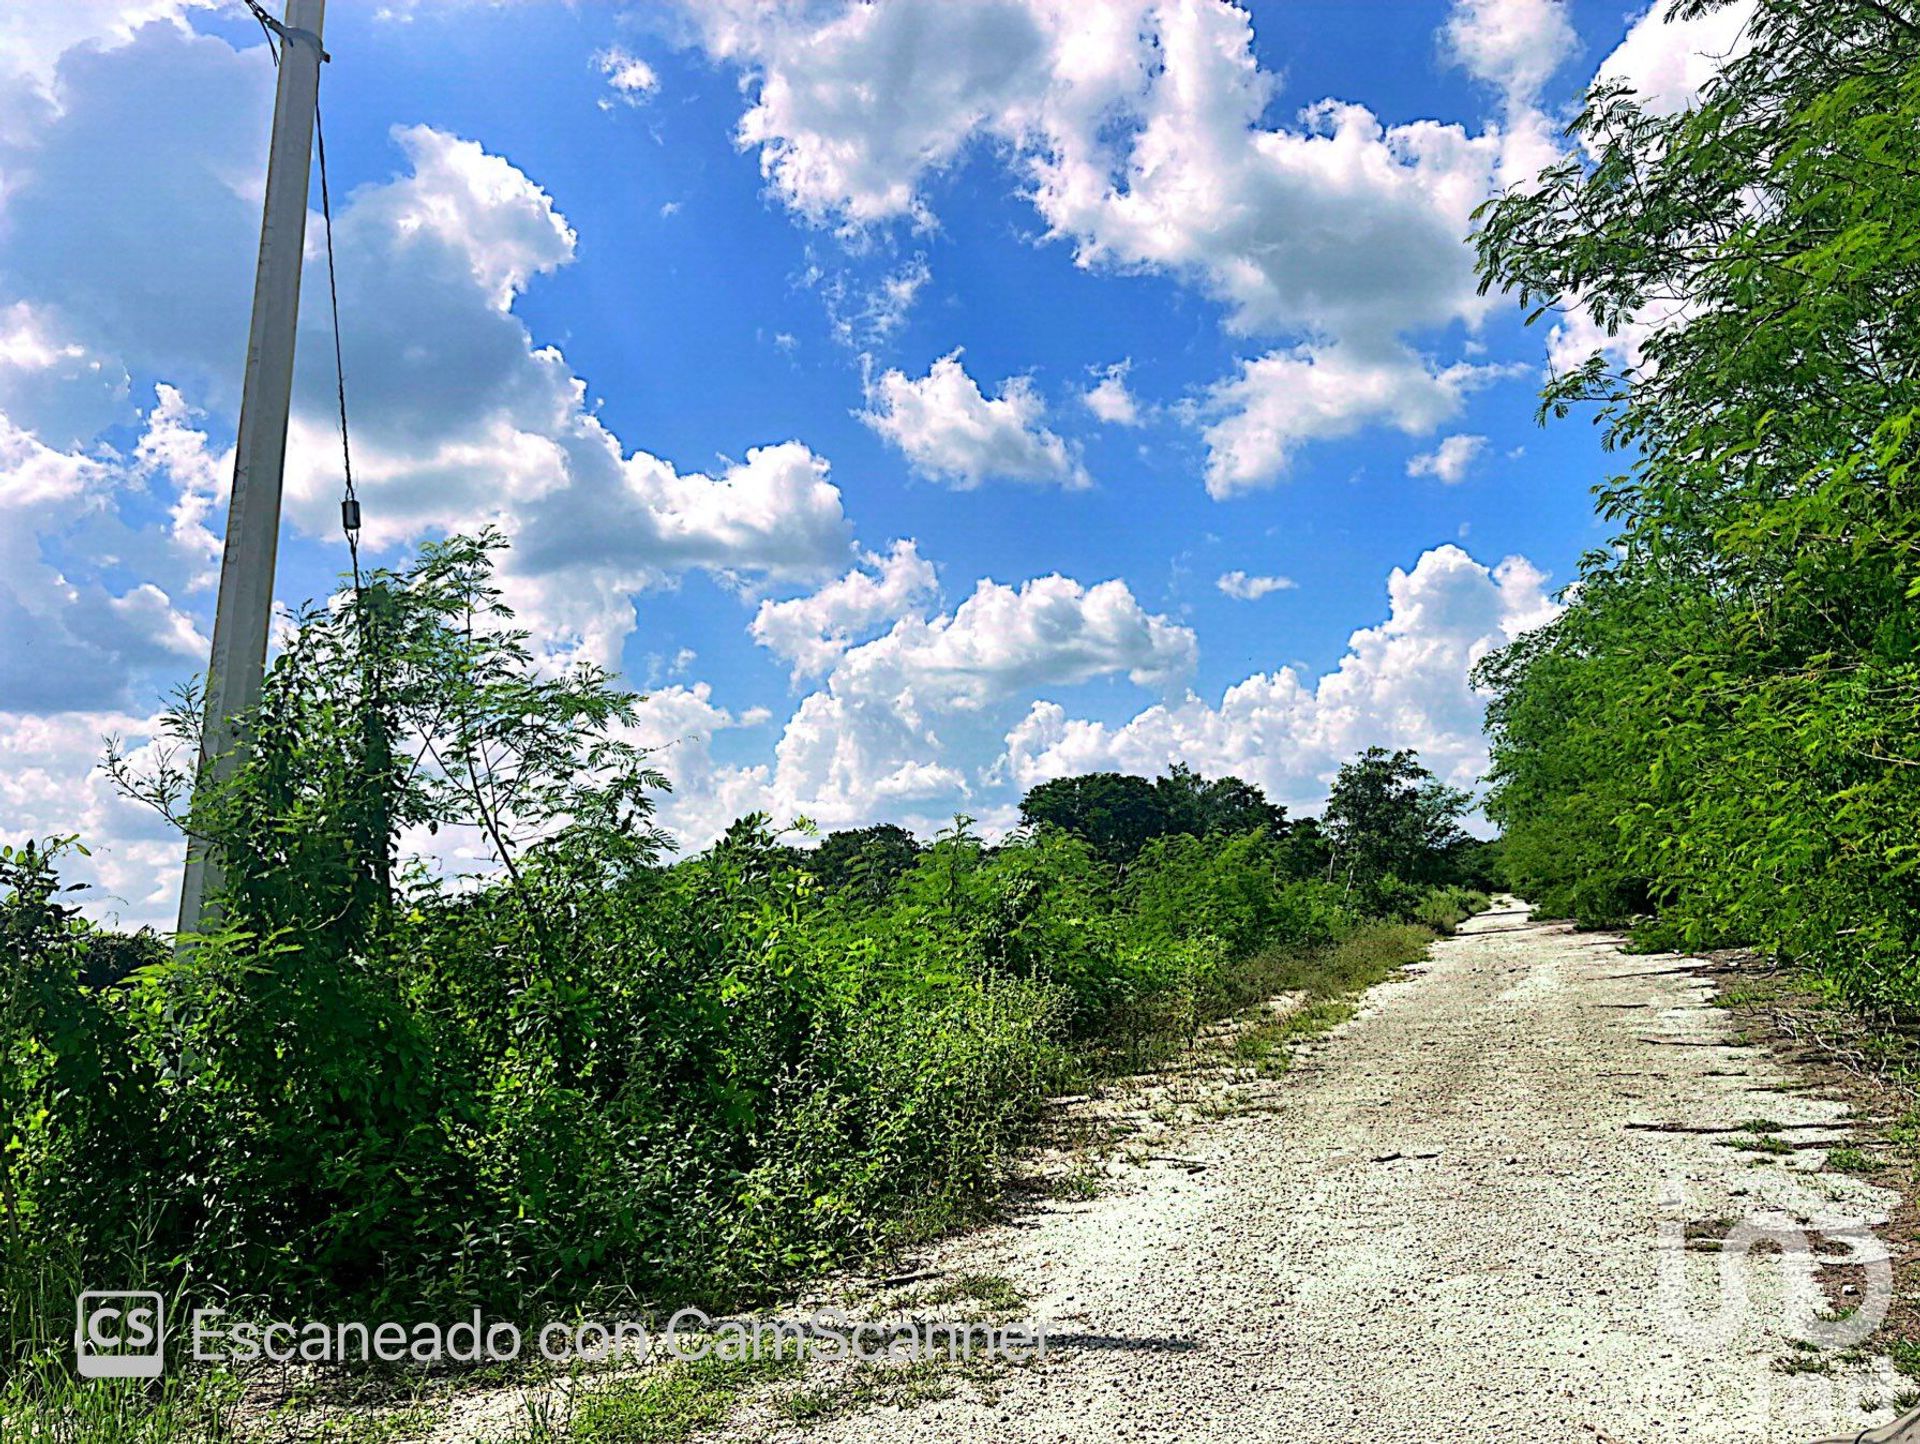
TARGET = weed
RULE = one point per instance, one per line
(666, 1404)
(992, 1292)
(865, 1385)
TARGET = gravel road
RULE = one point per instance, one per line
(1452, 1221)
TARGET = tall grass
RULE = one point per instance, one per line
(42, 1402)
(1445, 908)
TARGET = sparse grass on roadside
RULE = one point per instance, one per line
(1905, 1354)
(1836, 1052)
(414, 1423)
(1804, 1357)
(1444, 909)
(353, 1426)
(668, 1404)
(1905, 1135)
(1370, 955)
(1266, 1046)
(972, 1299)
(382, 1405)
(1078, 1185)
(1332, 980)
(992, 1293)
(1317, 1018)
(861, 1386)
(1755, 1143)
(1261, 1047)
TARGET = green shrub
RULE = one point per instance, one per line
(1444, 908)
(1720, 726)
(590, 1072)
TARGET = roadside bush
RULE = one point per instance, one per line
(1445, 908)
(371, 1091)
(83, 1162)
(1371, 952)
(1720, 726)
(897, 1125)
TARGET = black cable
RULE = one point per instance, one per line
(267, 23)
(350, 503)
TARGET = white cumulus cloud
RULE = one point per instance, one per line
(678, 724)
(1110, 400)
(953, 432)
(905, 720)
(1515, 45)
(1402, 683)
(73, 633)
(1050, 630)
(812, 632)
(1450, 461)
(629, 77)
(35, 36)
(1141, 131)
(51, 785)
(1667, 60)
(1280, 401)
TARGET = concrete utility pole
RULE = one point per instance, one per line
(245, 607)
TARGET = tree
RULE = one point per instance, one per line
(411, 702)
(1564, 718)
(1305, 851)
(1223, 807)
(1388, 817)
(865, 860)
(1115, 813)
(1725, 723)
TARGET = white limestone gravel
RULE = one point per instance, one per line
(1440, 1227)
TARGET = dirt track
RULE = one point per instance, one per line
(1445, 1228)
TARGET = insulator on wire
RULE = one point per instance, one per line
(350, 513)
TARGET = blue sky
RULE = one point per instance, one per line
(918, 400)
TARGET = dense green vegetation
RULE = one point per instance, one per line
(1723, 728)
(597, 1071)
